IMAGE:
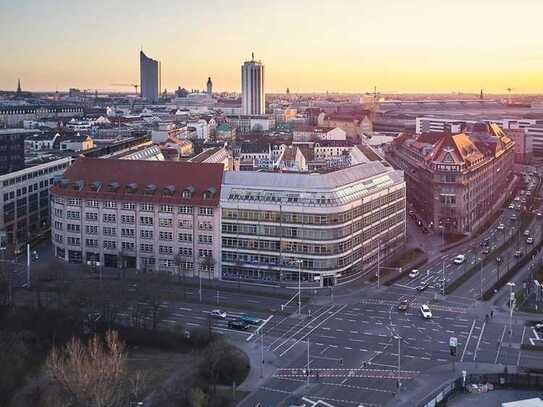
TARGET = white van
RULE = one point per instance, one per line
(459, 259)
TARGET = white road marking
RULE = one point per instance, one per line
(467, 341)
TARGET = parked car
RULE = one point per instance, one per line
(498, 259)
(501, 226)
(425, 311)
(511, 206)
(485, 242)
(239, 325)
(513, 217)
(217, 313)
(526, 233)
(403, 305)
(423, 287)
(414, 273)
(538, 327)
(486, 250)
(517, 253)
(459, 259)
(530, 240)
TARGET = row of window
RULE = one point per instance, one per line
(130, 206)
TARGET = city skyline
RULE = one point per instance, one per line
(420, 47)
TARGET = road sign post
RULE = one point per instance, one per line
(453, 344)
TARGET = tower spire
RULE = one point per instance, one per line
(252, 56)
(19, 86)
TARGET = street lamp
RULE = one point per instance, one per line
(299, 262)
(399, 338)
(511, 298)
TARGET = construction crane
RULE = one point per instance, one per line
(134, 85)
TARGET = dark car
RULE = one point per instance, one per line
(499, 259)
(419, 222)
(538, 327)
(423, 287)
(237, 324)
(403, 305)
(485, 242)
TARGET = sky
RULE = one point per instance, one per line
(306, 45)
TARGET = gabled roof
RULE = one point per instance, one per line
(163, 175)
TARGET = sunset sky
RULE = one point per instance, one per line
(306, 45)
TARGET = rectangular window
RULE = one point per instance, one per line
(110, 204)
(165, 236)
(127, 245)
(146, 207)
(165, 222)
(73, 241)
(146, 248)
(128, 232)
(109, 217)
(185, 251)
(91, 216)
(128, 219)
(146, 234)
(58, 225)
(166, 208)
(165, 249)
(58, 238)
(205, 211)
(185, 237)
(185, 224)
(129, 206)
(58, 213)
(74, 202)
(73, 228)
(205, 252)
(187, 210)
(205, 239)
(146, 220)
(110, 244)
(91, 242)
(72, 215)
(93, 204)
(109, 231)
(91, 229)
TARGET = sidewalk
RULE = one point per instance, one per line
(424, 386)
(260, 372)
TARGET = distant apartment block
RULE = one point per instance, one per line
(12, 116)
(455, 180)
(252, 88)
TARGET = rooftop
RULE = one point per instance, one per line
(167, 182)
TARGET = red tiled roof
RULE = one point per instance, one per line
(198, 177)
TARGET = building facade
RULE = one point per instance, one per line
(456, 181)
(252, 88)
(12, 149)
(331, 225)
(24, 208)
(149, 78)
(12, 116)
(139, 214)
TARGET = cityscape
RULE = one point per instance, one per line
(271, 205)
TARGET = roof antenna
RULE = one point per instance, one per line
(252, 56)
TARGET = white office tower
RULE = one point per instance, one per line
(149, 78)
(252, 88)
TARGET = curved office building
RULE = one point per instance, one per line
(330, 226)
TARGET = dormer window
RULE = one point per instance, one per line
(132, 187)
(150, 189)
(210, 193)
(96, 185)
(187, 192)
(113, 186)
(78, 185)
(169, 190)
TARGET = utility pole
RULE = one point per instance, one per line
(307, 375)
(262, 353)
(378, 263)
(28, 265)
(443, 285)
(399, 361)
(482, 270)
(200, 277)
(511, 298)
(300, 287)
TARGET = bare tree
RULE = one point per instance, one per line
(93, 375)
(180, 262)
(208, 263)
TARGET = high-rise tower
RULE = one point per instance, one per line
(209, 86)
(252, 87)
(149, 78)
